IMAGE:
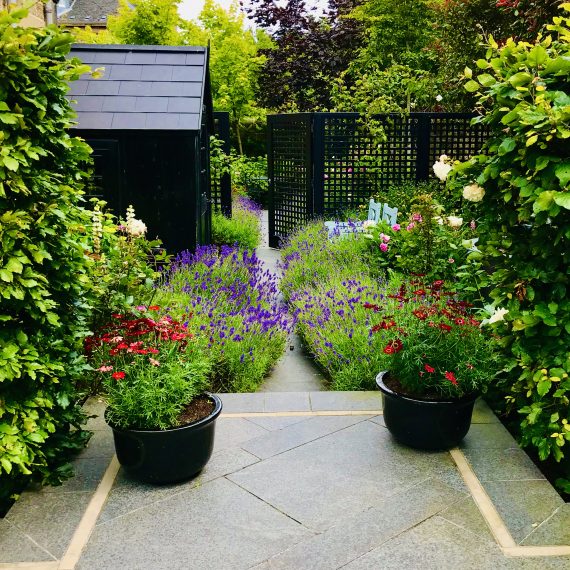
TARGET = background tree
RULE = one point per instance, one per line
(310, 51)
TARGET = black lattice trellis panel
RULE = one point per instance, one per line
(454, 136)
(220, 184)
(290, 174)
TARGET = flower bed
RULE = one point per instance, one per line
(234, 308)
(242, 229)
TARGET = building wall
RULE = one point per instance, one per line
(35, 18)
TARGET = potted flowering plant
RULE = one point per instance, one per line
(154, 375)
(436, 361)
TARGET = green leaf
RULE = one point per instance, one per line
(562, 172)
(543, 386)
(506, 146)
(486, 79)
(562, 199)
(531, 140)
(519, 79)
(537, 56)
(472, 86)
(544, 201)
(10, 163)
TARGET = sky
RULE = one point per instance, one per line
(189, 9)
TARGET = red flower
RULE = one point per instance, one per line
(451, 377)
(117, 316)
(122, 346)
(154, 308)
(474, 322)
(429, 368)
(118, 375)
(178, 336)
(376, 328)
(437, 284)
(419, 292)
(444, 327)
(371, 306)
(459, 321)
(422, 315)
(153, 351)
(393, 346)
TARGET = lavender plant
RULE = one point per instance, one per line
(243, 228)
(236, 311)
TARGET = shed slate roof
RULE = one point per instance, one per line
(142, 88)
(89, 12)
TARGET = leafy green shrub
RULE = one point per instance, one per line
(525, 226)
(45, 274)
(125, 263)
(243, 228)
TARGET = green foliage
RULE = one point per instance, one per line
(426, 241)
(121, 255)
(242, 229)
(235, 64)
(146, 22)
(45, 274)
(525, 225)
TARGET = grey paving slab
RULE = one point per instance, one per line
(350, 470)
(482, 413)
(492, 435)
(523, 505)
(287, 402)
(465, 514)
(16, 546)
(273, 423)
(276, 442)
(231, 432)
(378, 420)
(88, 473)
(555, 530)
(101, 444)
(502, 464)
(216, 526)
(355, 535)
(95, 407)
(236, 403)
(346, 401)
(435, 544)
(48, 518)
(295, 371)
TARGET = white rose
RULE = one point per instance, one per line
(368, 224)
(498, 315)
(442, 169)
(454, 221)
(136, 227)
(473, 192)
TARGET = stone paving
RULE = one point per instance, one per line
(299, 480)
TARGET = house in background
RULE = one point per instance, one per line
(40, 13)
(83, 13)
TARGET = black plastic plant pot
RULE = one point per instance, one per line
(425, 424)
(167, 456)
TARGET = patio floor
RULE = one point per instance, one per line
(300, 480)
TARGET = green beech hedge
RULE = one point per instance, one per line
(44, 270)
(524, 93)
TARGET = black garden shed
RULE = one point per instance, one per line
(148, 120)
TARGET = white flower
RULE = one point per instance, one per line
(442, 167)
(439, 220)
(473, 192)
(136, 227)
(454, 221)
(498, 315)
(438, 98)
(368, 224)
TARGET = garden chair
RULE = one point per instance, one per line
(376, 212)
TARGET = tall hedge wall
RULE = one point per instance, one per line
(44, 269)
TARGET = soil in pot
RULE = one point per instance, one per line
(200, 407)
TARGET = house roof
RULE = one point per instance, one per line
(89, 12)
(142, 87)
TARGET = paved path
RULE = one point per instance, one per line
(300, 481)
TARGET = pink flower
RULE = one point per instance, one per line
(104, 369)
(451, 260)
(153, 361)
(140, 308)
(384, 238)
(384, 247)
(349, 170)
(411, 226)
(396, 227)
(472, 224)
(417, 218)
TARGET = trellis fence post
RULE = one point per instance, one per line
(423, 146)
